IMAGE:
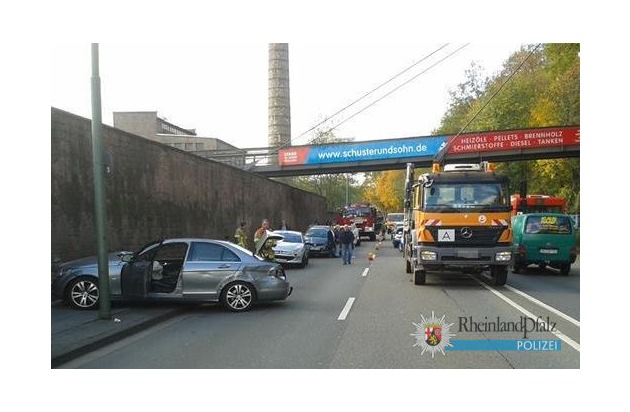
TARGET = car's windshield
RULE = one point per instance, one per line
(317, 233)
(395, 217)
(290, 237)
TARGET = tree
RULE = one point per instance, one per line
(544, 91)
(386, 190)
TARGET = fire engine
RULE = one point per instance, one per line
(457, 218)
(367, 219)
(537, 204)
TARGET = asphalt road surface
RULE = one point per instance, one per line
(371, 315)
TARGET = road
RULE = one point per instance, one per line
(368, 315)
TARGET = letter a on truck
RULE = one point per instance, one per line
(458, 219)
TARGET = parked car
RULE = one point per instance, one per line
(320, 241)
(392, 221)
(292, 249)
(186, 269)
(544, 239)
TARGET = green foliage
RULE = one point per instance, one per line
(545, 91)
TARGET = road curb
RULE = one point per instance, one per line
(82, 350)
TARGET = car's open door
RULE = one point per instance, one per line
(135, 279)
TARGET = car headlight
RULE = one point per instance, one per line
(428, 255)
(503, 256)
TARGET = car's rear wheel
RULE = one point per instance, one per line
(82, 293)
(238, 297)
(565, 268)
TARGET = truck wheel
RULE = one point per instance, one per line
(565, 268)
(499, 275)
(419, 277)
(407, 266)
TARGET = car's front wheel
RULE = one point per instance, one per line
(238, 297)
(83, 293)
(304, 261)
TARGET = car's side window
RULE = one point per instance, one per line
(210, 252)
(171, 252)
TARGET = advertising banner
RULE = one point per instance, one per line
(354, 152)
(515, 139)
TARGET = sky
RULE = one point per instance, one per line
(220, 89)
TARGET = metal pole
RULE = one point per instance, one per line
(99, 190)
(347, 203)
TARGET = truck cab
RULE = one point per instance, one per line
(459, 219)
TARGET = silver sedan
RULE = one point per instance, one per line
(186, 269)
(291, 250)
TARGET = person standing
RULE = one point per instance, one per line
(264, 227)
(241, 235)
(346, 237)
(337, 232)
(266, 250)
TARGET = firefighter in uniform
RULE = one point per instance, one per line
(241, 235)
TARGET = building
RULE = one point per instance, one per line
(152, 127)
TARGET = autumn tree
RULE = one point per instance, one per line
(539, 86)
(385, 190)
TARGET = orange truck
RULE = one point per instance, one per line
(457, 218)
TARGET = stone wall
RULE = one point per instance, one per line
(153, 191)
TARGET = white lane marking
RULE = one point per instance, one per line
(544, 305)
(346, 309)
(365, 272)
(527, 313)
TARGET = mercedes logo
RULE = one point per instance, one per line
(466, 232)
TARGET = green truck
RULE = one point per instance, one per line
(544, 239)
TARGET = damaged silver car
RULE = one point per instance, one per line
(187, 269)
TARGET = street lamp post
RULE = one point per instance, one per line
(99, 190)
